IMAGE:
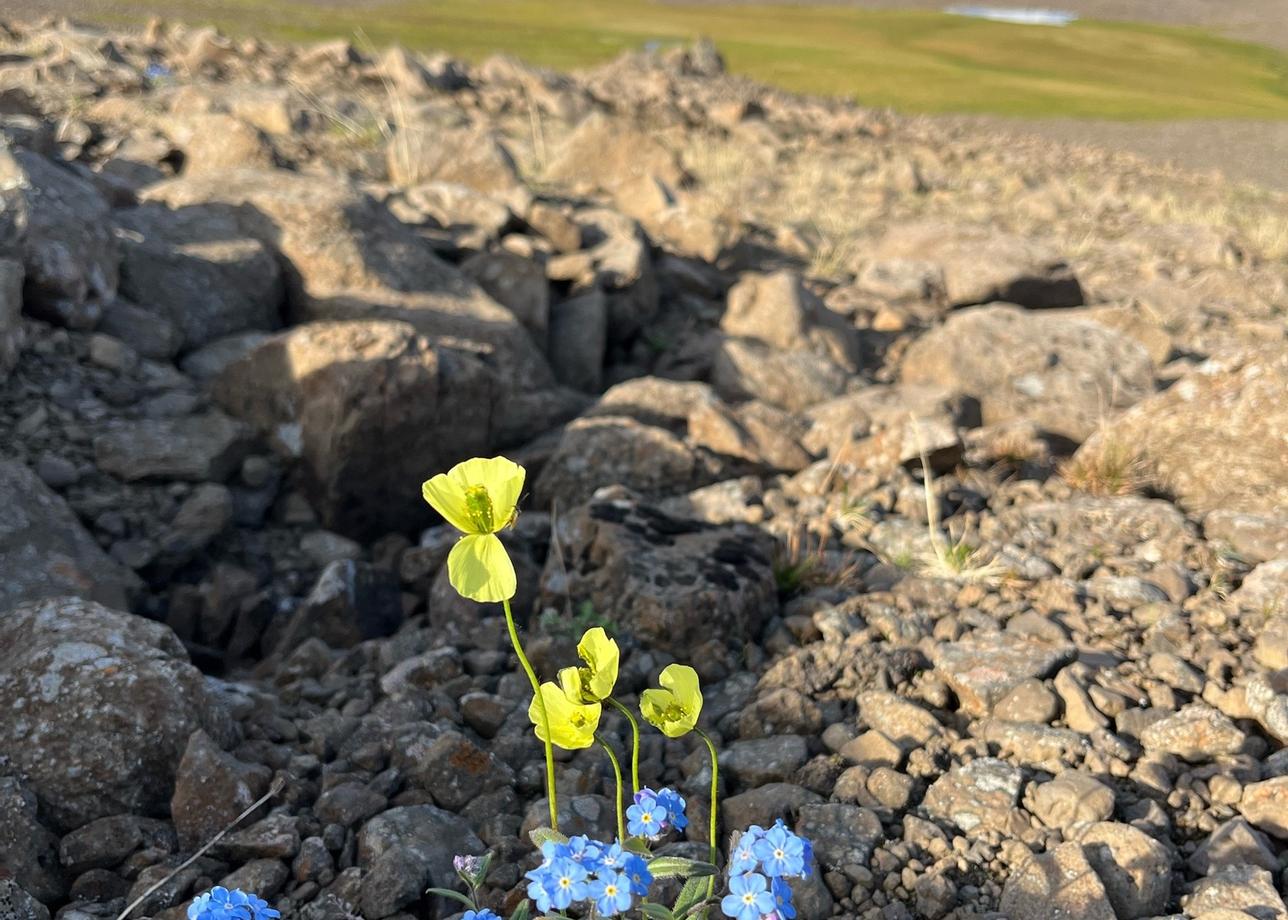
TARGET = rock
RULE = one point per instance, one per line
(671, 584)
(28, 851)
(1265, 805)
(754, 432)
(1196, 733)
(519, 285)
(207, 363)
(1237, 888)
(578, 340)
(214, 143)
(842, 835)
(1234, 843)
(350, 602)
(1028, 701)
(903, 722)
(611, 450)
(146, 331)
(336, 394)
(16, 904)
(1060, 371)
(1072, 798)
(11, 335)
(791, 380)
(982, 795)
(1060, 883)
(1265, 589)
(198, 448)
(202, 517)
(45, 552)
(349, 804)
(347, 257)
(765, 804)
(781, 312)
(764, 760)
(406, 850)
(1257, 537)
(1135, 869)
(196, 268)
(470, 217)
(979, 265)
(604, 152)
(211, 789)
(1201, 439)
(453, 769)
(106, 702)
(276, 836)
(473, 157)
(1040, 746)
(100, 844)
(983, 668)
(265, 877)
(68, 251)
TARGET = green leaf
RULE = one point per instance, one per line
(679, 867)
(656, 911)
(636, 845)
(541, 835)
(692, 894)
(521, 912)
(454, 895)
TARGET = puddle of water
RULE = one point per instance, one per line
(1021, 16)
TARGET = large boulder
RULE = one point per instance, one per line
(780, 311)
(673, 584)
(604, 153)
(406, 850)
(196, 268)
(338, 395)
(67, 247)
(346, 256)
(980, 265)
(1064, 373)
(100, 708)
(1214, 439)
(44, 550)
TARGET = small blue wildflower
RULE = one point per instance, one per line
(483, 914)
(550, 851)
(782, 893)
(566, 883)
(748, 897)
(636, 870)
(585, 852)
(646, 818)
(540, 887)
(781, 853)
(611, 892)
(743, 859)
(674, 804)
(221, 904)
(612, 858)
(157, 71)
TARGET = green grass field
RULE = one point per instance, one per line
(912, 61)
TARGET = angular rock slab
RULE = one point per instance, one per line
(673, 584)
(983, 668)
(102, 707)
(1060, 883)
(44, 550)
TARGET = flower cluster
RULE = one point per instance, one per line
(586, 870)
(655, 812)
(221, 904)
(483, 914)
(761, 862)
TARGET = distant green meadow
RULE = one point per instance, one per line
(911, 61)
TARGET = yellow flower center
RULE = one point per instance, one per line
(674, 713)
(748, 898)
(565, 882)
(779, 854)
(479, 505)
(610, 890)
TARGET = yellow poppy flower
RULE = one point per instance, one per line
(674, 710)
(597, 679)
(478, 498)
(572, 724)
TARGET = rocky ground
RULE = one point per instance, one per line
(955, 463)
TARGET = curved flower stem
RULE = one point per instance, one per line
(635, 743)
(715, 791)
(617, 773)
(545, 717)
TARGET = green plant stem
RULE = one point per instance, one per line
(617, 774)
(635, 744)
(545, 716)
(715, 791)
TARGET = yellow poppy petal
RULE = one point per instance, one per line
(571, 684)
(479, 568)
(602, 657)
(448, 499)
(503, 479)
(653, 705)
(572, 725)
(682, 681)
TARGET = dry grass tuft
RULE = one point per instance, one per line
(1113, 468)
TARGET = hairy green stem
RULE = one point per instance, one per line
(635, 744)
(545, 717)
(617, 774)
(715, 791)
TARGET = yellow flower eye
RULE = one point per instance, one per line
(479, 505)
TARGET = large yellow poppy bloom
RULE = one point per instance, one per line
(673, 710)
(478, 497)
(572, 724)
